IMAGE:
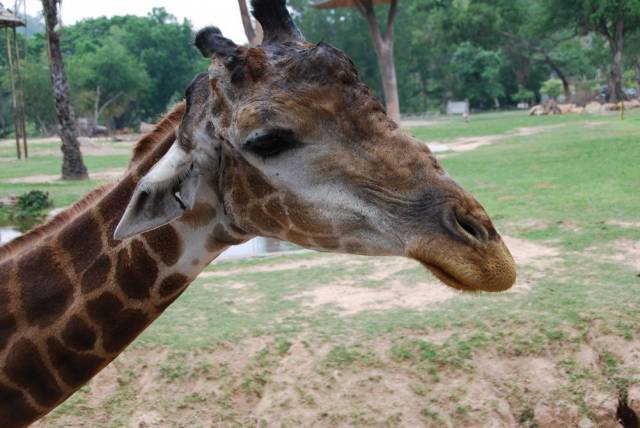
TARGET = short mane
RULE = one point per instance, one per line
(144, 146)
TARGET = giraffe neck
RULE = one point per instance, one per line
(72, 302)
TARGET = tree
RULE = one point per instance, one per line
(252, 30)
(382, 43)
(108, 81)
(477, 75)
(552, 88)
(611, 19)
(73, 167)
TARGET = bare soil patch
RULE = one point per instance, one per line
(623, 251)
(157, 387)
(466, 144)
(623, 224)
(352, 300)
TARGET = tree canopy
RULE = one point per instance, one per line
(128, 69)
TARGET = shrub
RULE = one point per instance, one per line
(523, 95)
(552, 88)
(32, 204)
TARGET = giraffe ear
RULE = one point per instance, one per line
(211, 42)
(161, 196)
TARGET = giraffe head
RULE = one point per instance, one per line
(287, 142)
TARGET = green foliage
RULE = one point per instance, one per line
(630, 79)
(140, 64)
(523, 95)
(112, 73)
(476, 71)
(32, 204)
(552, 88)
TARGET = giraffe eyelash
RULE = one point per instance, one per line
(271, 144)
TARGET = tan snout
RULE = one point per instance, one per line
(467, 253)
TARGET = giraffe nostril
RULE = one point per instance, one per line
(472, 228)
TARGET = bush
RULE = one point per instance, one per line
(523, 95)
(32, 204)
(552, 88)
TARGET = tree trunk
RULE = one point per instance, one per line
(563, 77)
(254, 35)
(384, 52)
(616, 43)
(73, 167)
(389, 80)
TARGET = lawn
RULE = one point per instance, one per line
(328, 340)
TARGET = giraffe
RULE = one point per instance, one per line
(281, 140)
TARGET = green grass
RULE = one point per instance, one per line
(491, 124)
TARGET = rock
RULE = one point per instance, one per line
(567, 108)
(610, 107)
(593, 107)
(578, 109)
(537, 111)
(632, 104)
(551, 107)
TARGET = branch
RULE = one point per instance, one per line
(393, 10)
(525, 43)
(109, 102)
(246, 22)
(366, 9)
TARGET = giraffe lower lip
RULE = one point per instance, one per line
(447, 278)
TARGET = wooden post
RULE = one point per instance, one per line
(13, 92)
(21, 88)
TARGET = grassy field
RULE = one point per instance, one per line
(310, 339)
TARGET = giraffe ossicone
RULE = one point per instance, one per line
(283, 141)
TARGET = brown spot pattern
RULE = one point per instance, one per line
(78, 334)
(327, 242)
(82, 240)
(74, 368)
(220, 237)
(7, 320)
(263, 220)
(258, 185)
(198, 216)
(96, 276)
(7, 326)
(46, 291)
(119, 325)
(26, 368)
(113, 205)
(5, 272)
(172, 284)
(136, 272)
(14, 410)
(166, 243)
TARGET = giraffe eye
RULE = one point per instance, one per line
(271, 144)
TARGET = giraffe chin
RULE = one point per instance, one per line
(466, 269)
(452, 281)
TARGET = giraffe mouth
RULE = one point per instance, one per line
(447, 278)
(487, 268)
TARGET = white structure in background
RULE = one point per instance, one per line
(458, 107)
